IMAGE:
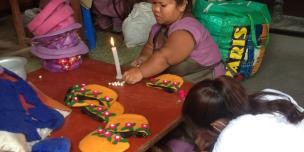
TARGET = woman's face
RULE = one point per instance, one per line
(167, 11)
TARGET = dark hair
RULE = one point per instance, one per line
(188, 10)
(283, 105)
(188, 7)
(225, 97)
(210, 100)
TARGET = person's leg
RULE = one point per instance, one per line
(104, 22)
(199, 76)
(191, 71)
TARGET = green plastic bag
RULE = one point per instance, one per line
(241, 30)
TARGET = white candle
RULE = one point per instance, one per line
(116, 60)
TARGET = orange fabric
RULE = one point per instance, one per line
(7, 77)
(48, 100)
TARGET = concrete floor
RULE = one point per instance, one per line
(281, 67)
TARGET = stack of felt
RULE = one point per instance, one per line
(56, 40)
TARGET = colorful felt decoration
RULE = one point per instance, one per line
(130, 125)
(114, 136)
(85, 95)
(167, 82)
(102, 113)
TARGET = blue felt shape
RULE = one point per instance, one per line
(52, 145)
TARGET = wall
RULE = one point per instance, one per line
(24, 4)
(290, 7)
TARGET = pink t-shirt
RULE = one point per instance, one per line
(206, 51)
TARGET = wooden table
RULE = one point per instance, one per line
(161, 108)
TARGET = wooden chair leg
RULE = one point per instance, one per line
(18, 23)
(78, 16)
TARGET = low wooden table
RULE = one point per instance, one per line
(160, 108)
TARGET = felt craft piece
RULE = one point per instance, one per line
(113, 136)
(52, 145)
(62, 43)
(168, 82)
(61, 15)
(101, 140)
(63, 64)
(14, 118)
(102, 113)
(129, 125)
(85, 95)
(44, 14)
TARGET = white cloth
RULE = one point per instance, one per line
(262, 133)
(137, 25)
(16, 142)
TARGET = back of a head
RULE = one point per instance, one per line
(210, 100)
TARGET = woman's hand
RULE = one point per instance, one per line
(132, 76)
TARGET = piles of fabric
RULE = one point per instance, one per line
(27, 115)
(56, 40)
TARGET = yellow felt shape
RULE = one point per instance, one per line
(167, 82)
(117, 108)
(129, 125)
(84, 95)
(103, 114)
(97, 142)
(113, 138)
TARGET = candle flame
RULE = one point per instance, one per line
(112, 41)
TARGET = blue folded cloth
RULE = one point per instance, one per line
(52, 145)
(14, 118)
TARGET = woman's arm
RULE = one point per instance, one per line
(177, 48)
(146, 52)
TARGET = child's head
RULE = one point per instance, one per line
(169, 11)
(210, 100)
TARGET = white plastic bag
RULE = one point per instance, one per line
(136, 27)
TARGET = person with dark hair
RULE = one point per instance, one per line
(177, 44)
(222, 117)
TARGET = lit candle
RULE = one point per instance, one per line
(116, 60)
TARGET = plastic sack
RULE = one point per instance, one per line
(241, 30)
(136, 27)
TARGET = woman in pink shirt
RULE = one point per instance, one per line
(177, 44)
